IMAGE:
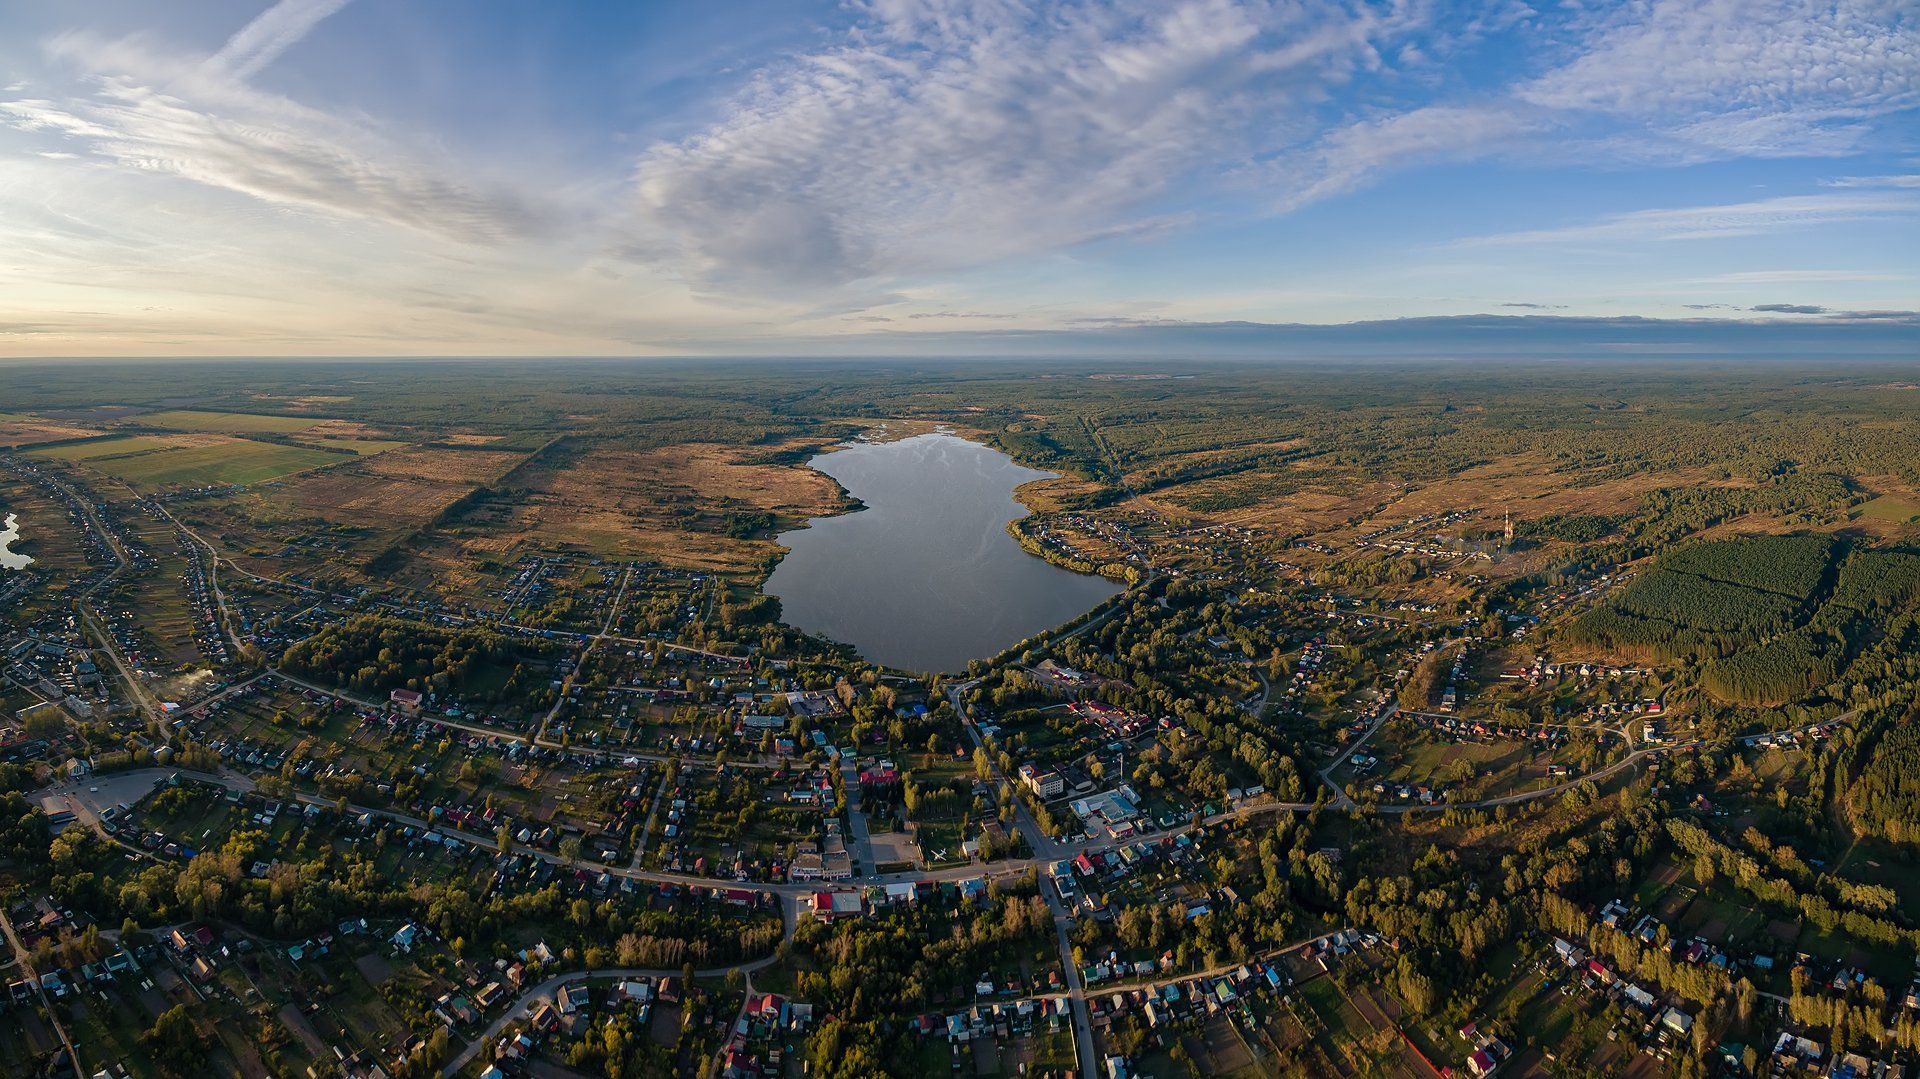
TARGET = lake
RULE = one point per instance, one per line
(926, 577)
(8, 558)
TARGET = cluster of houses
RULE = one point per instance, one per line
(1545, 670)
(1423, 793)
(1485, 1051)
(50, 662)
(1646, 929)
(1595, 974)
(762, 1036)
(1161, 1006)
(1790, 739)
(1450, 696)
(1569, 596)
(208, 636)
(1793, 1054)
(1306, 670)
(1477, 730)
(840, 903)
(1117, 722)
(1055, 678)
(1082, 881)
(998, 1019)
(1057, 535)
(571, 1013)
(98, 552)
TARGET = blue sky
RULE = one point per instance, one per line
(377, 177)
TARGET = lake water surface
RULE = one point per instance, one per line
(9, 559)
(926, 577)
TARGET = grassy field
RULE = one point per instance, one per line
(1889, 508)
(233, 423)
(360, 447)
(186, 461)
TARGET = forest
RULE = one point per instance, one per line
(1773, 618)
(370, 653)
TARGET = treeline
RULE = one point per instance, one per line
(1672, 515)
(1712, 858)
(1416, 693)
(394, 554)
(299, 897)
(1885, 799)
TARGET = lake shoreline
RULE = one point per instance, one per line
(926, 572)
(10, 558)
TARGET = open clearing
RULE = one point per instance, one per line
(670, 504)
(1889, 508)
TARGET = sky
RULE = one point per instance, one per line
(872, 177)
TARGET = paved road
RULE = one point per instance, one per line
(1044, 849)
(1076, 989)
(862, 837)
(1341, 799)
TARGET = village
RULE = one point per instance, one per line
(564, 807)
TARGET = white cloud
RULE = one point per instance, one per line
(276, 30)
(1876, 181)
(1354, 153)
(1716, 222)
(1658, 82)
(1714, 56)
(1745, 77)
(946, 135)
(1771, 277)
(207, 127)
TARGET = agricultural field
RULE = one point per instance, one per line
(21, 430)
(232, 423)
(155, 462)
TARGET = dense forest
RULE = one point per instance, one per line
(370, 653)
(1773, 618)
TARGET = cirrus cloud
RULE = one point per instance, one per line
(944, 135)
